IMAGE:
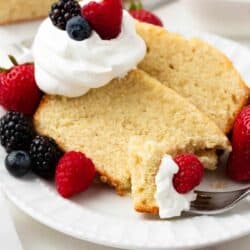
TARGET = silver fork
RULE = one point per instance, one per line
(211, 203)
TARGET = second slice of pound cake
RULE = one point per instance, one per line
(196, 71)
(102, 122)
(23, 10)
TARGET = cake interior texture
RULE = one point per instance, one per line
(195, 70)
(103, 122)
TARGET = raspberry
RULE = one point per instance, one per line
(146, 16)
(104, 17)
(16, 131)
(137, 12)
(74, 174)
(44, 154)
(241, 129)
(190, 173)
(238, 166)
(62, 11)
(18, 89)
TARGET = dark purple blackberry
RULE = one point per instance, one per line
(16, 131)
(62, 11)
(44, 154)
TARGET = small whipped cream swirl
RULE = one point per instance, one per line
(70, 68)
(170, 202)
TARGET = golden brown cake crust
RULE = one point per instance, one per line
(146, 209)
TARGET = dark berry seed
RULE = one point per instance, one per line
(44, 154)
(78, 28)
(18, 163)
(62, 10)
(16, 131)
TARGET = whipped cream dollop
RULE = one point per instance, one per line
(170, 202)
(70, 68)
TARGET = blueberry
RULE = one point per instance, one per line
(18, 163)
(78, 28)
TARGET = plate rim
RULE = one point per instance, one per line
(51, 223)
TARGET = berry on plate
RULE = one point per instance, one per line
(16, 131)
(104, 17)
(18, 89)
(137, 12)
(238, 166)
(18, 163)
(62, 11)
(44, 154)
(74, 174)
(190, 173)
(78, 28)
(241, 129)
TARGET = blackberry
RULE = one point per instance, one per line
(16, 131)
(44, 154)
(62, 11)
(78, 28)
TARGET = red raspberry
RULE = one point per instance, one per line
(238, 167)
(74, 174)
(18, 89)
(104, 17)
(137, 12)
(241, 129)
(190, 173)
(146, 16)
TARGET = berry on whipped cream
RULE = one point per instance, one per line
(78, 28)
(172, 203)
(62, 11)
(105, 17)
(71, 68)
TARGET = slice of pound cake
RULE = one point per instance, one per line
(196, 71)
(23, 10)
(145, 158)
(103, 122)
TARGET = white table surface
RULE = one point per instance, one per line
(35, 236)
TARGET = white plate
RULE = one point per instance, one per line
(102, 217)
(208, 15)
